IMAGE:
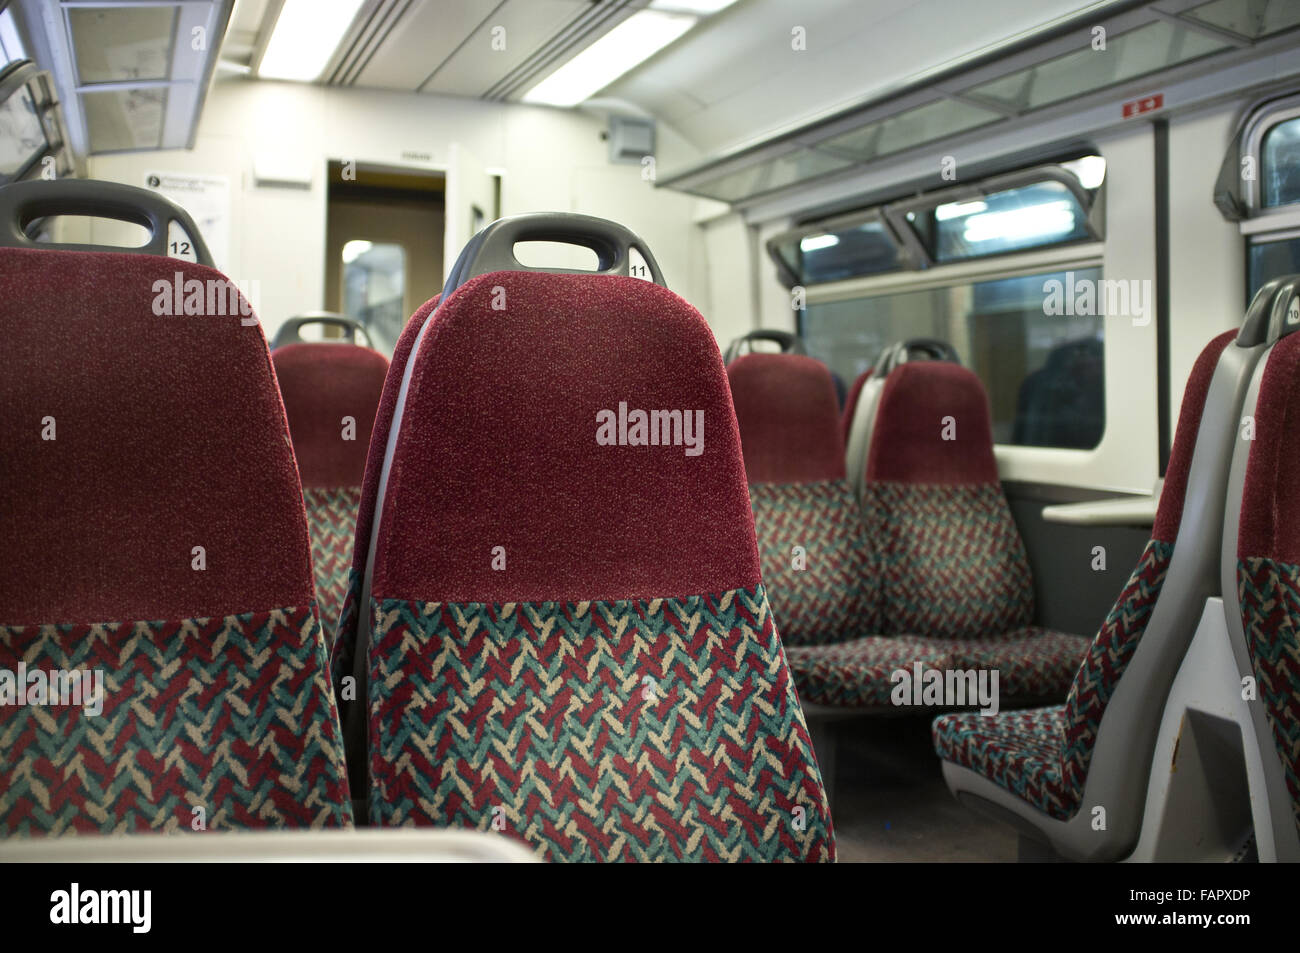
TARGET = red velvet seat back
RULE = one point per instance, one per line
(789, 418)
(331, 392)
(322, 384)
(817, 564)
(154, 532)
(565, 614)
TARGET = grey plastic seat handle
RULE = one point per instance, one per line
(23, 202)
(492, 249)
(898, 353)
(288, 333)
(787, 342)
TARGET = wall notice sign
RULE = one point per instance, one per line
(1136, 107)
(207, 199)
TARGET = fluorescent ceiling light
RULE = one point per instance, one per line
(1032, 221)
(306, 35)
(814, 242)
(700, 8)
(633, 41)
(355, 249)
(958, 209)
(1090, 170)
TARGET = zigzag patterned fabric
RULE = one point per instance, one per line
(996, 746)
(952, 562)
(231, 715)
(1031, 663)
(833, 598)
(341, 651)
(1269, 593)
(331, 523)
(661, 729)
(857, 674)
(1017, 750)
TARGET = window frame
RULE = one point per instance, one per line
(23, 75)
(1267, 116)
(1094, 222)
(876, 214)
(915, 258)
(1262, 226)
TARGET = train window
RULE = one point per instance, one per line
(834, 252)
(22, 136)
(1271, 258)
(1045, 213)
(1279, 164)
(374, 285)
(1043, 372)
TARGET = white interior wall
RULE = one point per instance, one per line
(550, 160)
(1207, 292)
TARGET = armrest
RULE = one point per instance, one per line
(1127, 511)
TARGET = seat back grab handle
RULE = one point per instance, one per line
(288, 333)
(492, 249)
(22, 203)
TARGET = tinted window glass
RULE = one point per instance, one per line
(865, 249)
(1046, 213)
(1280, 164)
(374, 287)
(1269, 260)
(1043, 370)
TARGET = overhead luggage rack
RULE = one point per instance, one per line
(1070, 80)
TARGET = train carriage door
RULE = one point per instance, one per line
(384, 244)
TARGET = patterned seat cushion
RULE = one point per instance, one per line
(332, 521)
(1032, 663)
(951, 560)
(1269, 593)
(996, 747)
(628, 730)
(1017, 750)
(206, 724)
(857, 674)
(816, 562)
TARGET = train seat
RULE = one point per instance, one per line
(1261, 578)
(818, 566)
(859, 414)
(156, 597)
(345, 636)
(331, 391)
(952, 565)
(1075, 776)
(566, 636)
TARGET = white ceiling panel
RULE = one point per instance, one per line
(744, 81)
(476, 65)
(422, 40)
